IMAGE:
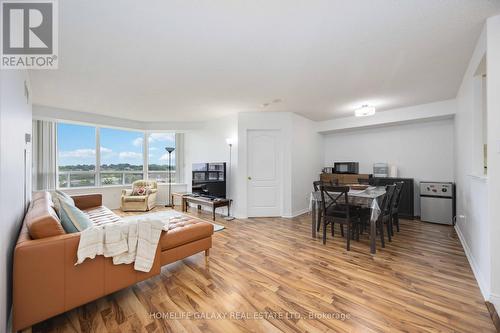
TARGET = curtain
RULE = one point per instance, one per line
(44, 155)
(179, 157)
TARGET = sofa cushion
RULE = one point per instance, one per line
(41, 219)
(183, 232)
(101, 215)
(72, 218)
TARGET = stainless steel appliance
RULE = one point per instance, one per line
(346, 167)
(437, 202)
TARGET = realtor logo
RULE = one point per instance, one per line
(29, 34)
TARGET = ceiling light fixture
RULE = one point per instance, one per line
(274, 101)
(364, 111)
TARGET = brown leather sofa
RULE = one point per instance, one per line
(46, 281)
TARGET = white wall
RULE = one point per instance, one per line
(493, 116)
(472, 192)
(421, 150)
(208, 144)
(15, 122)
(299, 168)
(478, 197)
(307, 154)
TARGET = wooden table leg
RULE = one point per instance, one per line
(373, 235)
(313, 218)
(213, 214)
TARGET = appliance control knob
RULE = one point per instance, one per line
(444, 190)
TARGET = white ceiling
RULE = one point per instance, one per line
(195, 60)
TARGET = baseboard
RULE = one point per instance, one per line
(495, 300)
(298, 213)
(475, 269)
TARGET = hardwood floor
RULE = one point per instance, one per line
(273, 269)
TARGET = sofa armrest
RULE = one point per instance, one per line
(46, 281)
(86, 201)
(39, 279)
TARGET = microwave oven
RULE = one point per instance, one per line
(346, 167)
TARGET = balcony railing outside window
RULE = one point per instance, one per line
(74, 179)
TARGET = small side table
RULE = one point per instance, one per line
(202, 201)
(181, 196)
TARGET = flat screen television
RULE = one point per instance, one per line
(209, 179)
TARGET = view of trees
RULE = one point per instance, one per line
(113, 167)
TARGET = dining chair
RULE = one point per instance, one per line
(395, 205)
(336, 209)
(316, 186)
(384, 219)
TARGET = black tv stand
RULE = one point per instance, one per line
(212, 202)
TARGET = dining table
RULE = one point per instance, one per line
(371, 198)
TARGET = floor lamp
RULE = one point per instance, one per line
(169, 150)
(229, 142)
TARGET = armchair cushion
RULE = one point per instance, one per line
(135, 198)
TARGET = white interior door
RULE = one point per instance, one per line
(264, 191)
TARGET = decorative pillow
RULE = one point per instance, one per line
(57, 196)
(141, 190)
(66, 196)
(72, 218)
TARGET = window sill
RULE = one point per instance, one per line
(111, 186)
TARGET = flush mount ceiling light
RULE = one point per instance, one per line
(274, 101)
(364, 111)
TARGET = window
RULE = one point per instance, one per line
(158, 156)
(121, 156)
(119, 159)
(76, 155)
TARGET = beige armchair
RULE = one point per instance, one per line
(131, 201)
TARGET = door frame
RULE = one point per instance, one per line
(279, 168)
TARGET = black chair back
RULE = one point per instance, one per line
(331, 200)
(317, 184)
(396, 199)
(387, 201)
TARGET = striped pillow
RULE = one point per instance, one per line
(72, 218)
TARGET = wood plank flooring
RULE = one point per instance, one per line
(269, 275)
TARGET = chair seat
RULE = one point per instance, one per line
(135, 198)
(339, 211)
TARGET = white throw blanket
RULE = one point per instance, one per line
(127, 241)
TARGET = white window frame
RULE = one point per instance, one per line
(97, 170)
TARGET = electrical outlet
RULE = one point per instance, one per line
(463, 218)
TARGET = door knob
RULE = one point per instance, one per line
(249, 178)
